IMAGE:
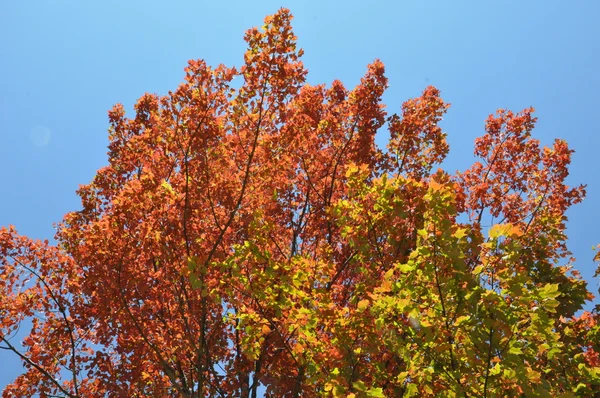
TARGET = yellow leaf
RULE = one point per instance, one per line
(165, 184)
(460, 233)
(402, 376)
(363, 304)
(514, 231)
(435, 186)
(508, 230)
(496, 231)
(389, 274)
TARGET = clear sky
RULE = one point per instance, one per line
(63, 64)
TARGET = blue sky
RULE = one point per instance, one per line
(63, 64)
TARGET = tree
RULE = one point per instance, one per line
(256, 239)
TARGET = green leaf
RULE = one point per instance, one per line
(406, 267)
(191, 264)
(496, 370)
(515, 350)
(411, 390)
(375, 392)
(549, 290)
(462, 319)
(402, 377)
(509, 373)
(195, 282)
(580, 388)
(389, 274)
(478, 269)
(359, 385)
(552, 353)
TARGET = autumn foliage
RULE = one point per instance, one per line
(250, 238)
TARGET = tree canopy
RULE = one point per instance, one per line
(251, 239)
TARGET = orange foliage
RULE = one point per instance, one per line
(256, 240)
